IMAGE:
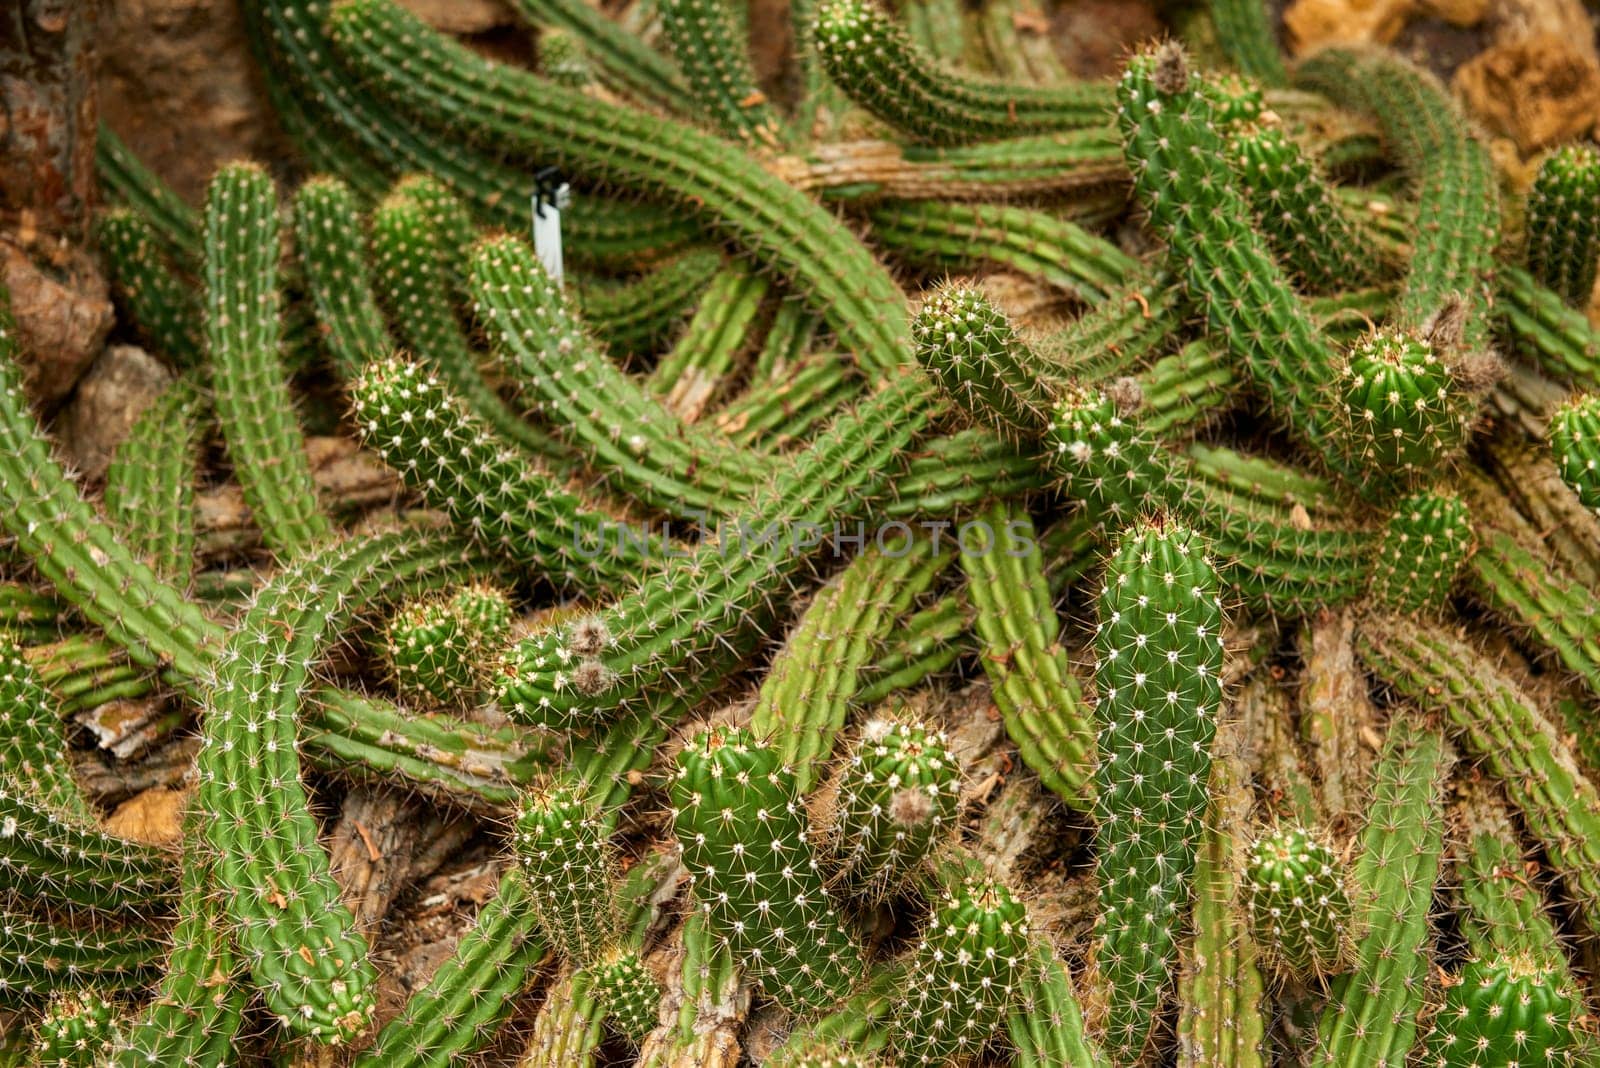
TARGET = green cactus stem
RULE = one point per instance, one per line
(870, 57)
(329, 240)
(1563, 241)
(1158, 672)
(629, 993)
(742, 835)
(563, 60)
(433, 77)
(1245, 30)
(896, 803)
(1575, 445)
(1503, 910)
(569, 869)
(963, 974)
(174, 223)
(150, 485)
(38, 956)
(148, 290)
(712, 52)
(77, 1029)
(1502, 1014)
(435, 646)
(1401, 412)
(34, 760)
(1424, 545)
(1372, 1015)
(621, 60)
(639, 316)
(1299, 907)
(690, 377)
(297, 936)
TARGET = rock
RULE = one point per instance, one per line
(462, 16)
(1094, 38)
(1537, 90)
(109, 400)
(154, 817)
(63, 314)
(1457, 12)
(1312, 24)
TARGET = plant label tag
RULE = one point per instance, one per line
(551, 193)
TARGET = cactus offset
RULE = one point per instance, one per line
(1563, 242)
(1298, 904)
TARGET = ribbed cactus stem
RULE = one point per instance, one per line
(569, 869)
(76, 1031)
(629, 993)
(1403, 411)
(1158, 671)
(742, 834)
(1505, 1013)
(1299, 907)
(438, 647)
(1575, 446)
(1563, 236)
(1424, 545)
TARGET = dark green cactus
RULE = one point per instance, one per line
(1502, 1014)
(1158, 672)
(1401, 413)
(438, 647)
(1299, 907)
(742, 834)
(76, 1030)
(1563, 242)
(630, 993)
(1575, 444)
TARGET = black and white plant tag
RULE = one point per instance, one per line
(551, 193)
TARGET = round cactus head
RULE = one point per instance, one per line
(1423, 547)
(629, 992)
(1400, 414)
(897, 800)
(1563, 231)
(1298, 904)
(485, 613)
(1234, 98)
(973, 953)
(970, 347)
(1102, 456)
(1575, 444)
(430, 653)
(1505, 1014)
(77, 1029)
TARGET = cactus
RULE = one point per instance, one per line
(897, 802)
(1299, 907)
(742, 835)
(165, 312)
(150, 485)
(964, 971)
(563, 60)
(569, 869)
(1573, 436)
(870, 57)
(1562, 241)
(1401, 413)
(1424, 545)
(76, 1030)
(1246, 32)
(1504, 1013)
(710, 50)
(242, 332)
(38, 956)
(689, 377)
(435, 646)
(1158, 671)
(34, 761)
(623, 62)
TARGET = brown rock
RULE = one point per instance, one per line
(63, 315)
(109, 399)
(461, 16)
(155, 817)
(1312, 24)
(1457, 12)
(1094, 37)
(1538, 90)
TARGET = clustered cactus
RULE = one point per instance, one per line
(861, 661)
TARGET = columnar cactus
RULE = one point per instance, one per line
(1504, 1014)
(742, 834)
(1424, 545)
(569, 869)
(963, 974)
(1563, 240)
(705, 42)
(1299, 907)
(896, 804)
(1159, 675)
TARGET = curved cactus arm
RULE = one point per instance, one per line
(249, 387)
(1158, 673)
(1545, 329)
(713, 53)
(433, 77)
(163, 310)
(709, 603)
(774, 414)
(39, 956)
(1563, 240)
(622, 61)
(174, 223)
(741, 832)
(1504, 729)
(640, 316)
(422, 429)
(1298, 212)
(472, 993)
(150, 485)
(330, 245)
(192, 1020)
(411, 249)
(690, 376)
(562, 377)
(299, 939)
(59, 532)
(1244, 27)
(1221, 996)
(868, 55)
(1458, 207)
(1372, 1015)
(1015, 618)
(813, 680)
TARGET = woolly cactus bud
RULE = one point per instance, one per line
(1575, 443)
(1400, 413)
(1158, 672)
(973, 953)
(1298, 904)
(1423, 547)
(971, 350)
(76, 1031)
(1507, 1013)
(897, 799)
(562, 846)
(741, 832)
(629, 992)
(1564, 222)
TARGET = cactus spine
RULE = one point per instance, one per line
(1299, 907)
(1503, 1014)
(1158, 650)
(436, 647)
(1563, 242)
(76, 1031)
(1575, 444)
(1424, 545)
